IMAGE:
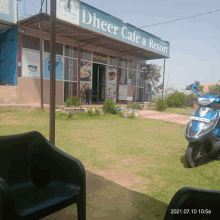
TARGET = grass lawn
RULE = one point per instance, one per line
(140, 154)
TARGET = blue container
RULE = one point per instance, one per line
(118, 109)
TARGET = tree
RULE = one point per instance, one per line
(199, 88)
(152, 74)
(214, 89)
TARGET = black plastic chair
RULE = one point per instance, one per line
(193, 203)
(37, 179)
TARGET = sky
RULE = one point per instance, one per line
(194, 42)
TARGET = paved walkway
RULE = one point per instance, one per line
(176, 118)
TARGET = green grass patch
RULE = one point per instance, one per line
(150, 149)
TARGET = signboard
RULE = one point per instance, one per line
(8, 10)
(112, 81)
(83, 87)
(100, 58)
(122, 92)
(58, 67)
(68, 11)
(98, 21)
(85, 71)
(30, 63)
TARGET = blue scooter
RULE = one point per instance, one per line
(203, 130)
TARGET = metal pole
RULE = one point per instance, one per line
(117, 86)
(46, 6)
(41, 66)
(52, 68)
(78, 78)
(163, 77)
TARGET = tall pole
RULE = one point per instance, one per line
(117, 84)
(78, 77)
(46, 6)
(41, 66)
(52, 69)
(163, 77)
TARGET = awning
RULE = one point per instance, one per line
(4, 25)
(85, 36)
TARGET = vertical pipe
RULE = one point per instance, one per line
(78, 78)
(19, 54)
(52, 68)
(163, 77)
(117, 87)
(41, 66)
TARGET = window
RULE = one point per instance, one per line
(86, 55)
(59, 47)
(132, 64)
(132, 76)
(123, 63)
(140, 80)
(113, 61)
(70, 88)
(29, 42)
(122, 76)
(140, 95)
(139, 65)
(70, 71)
(71, 51)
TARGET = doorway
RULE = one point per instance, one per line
(98, 82)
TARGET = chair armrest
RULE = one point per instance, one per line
(5, 199)
(71, 165)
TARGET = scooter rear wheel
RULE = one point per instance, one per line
(194, 154)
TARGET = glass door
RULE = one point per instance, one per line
(101, 83)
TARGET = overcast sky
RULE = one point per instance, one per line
(194, 42)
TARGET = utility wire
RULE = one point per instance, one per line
(179, 19)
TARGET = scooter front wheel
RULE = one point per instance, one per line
(194, 154)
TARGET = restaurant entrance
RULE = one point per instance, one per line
(98, 82)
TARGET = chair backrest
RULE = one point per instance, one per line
(194, 199)
(15, 152)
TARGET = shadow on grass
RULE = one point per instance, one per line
(109, 200)
(204, 161)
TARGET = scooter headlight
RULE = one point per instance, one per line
(209, 124)
(205, 101)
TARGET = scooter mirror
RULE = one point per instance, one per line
(193, 86)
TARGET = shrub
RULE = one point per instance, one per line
(154, 99)
(176, 99)
(161, 105)
(73, 100)
(118, 106)
(90, 112)
(70, 115)
(135, 105)
(190, 98)
(131, 115)
(97, 112)
(109, 107)
(151, 104)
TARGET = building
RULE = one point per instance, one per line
(93, 50)
(206, 86)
